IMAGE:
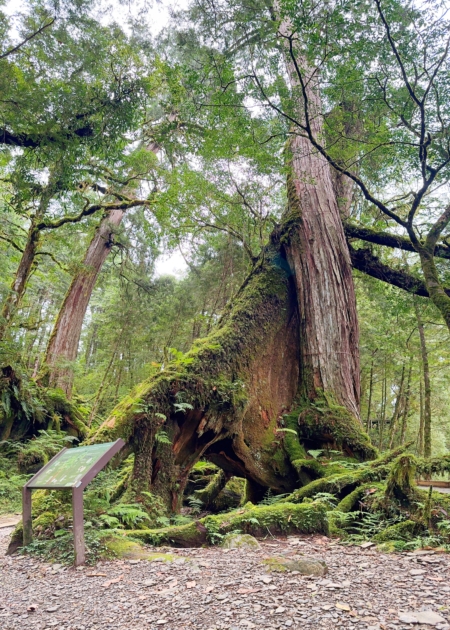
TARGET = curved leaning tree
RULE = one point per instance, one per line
(279, 375)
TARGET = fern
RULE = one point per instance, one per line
(316, 453)
(270, 498)
(328, 498)
(129, 515)
(182, 406)
(162, 437)
(111, 522)
(195, 504)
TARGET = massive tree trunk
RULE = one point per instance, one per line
(63, 344)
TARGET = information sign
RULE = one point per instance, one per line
(71, 468)
(68, 468)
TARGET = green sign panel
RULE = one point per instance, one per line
(68, 468)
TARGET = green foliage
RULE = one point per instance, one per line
(11, 491)
(60, 547)
(129, 516)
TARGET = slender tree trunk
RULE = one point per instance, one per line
(98, 397)
(399, 401)
(369, 403)
(421, 423)
(382, 420)
(427, 386)
(27, 262)
(21, 277)
(62, 348)
(407, 404)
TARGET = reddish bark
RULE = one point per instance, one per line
(318, 254)
(63, 344)
(20, 279)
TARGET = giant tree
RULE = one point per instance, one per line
(281, 367)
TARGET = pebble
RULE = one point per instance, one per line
(363, 590)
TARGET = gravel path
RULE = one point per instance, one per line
(220, 589)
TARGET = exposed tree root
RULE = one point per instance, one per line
(261, 520)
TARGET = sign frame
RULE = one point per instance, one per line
(77, 498)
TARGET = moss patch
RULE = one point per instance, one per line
(406, 530)
(325, 424)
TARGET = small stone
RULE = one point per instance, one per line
(134, 561)
(417, 572)
(280, 610)
(52, 609)
(160, 622)
(266, 580)
(366, 545)
(148, 583)
(342, 606)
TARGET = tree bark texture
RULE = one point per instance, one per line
(62, 348)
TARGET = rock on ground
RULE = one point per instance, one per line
(221, 589)
(240, 541)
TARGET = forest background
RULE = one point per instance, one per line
(150, 142)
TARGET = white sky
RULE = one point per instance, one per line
(171, 264)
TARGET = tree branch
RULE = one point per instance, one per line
(365, 261)
(436, 230)
(389, 240)
(107, 207)
(27, 39)
(26, 141)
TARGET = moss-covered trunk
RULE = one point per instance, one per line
(226, 398)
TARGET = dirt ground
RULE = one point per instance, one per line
(214, 588)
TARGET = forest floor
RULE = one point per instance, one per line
(214, 588)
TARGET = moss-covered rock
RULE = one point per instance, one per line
(122, 547)
(305, 565)
(31, 459)
(44, 521)
(401, 480)
(231, 496)
(240, 541)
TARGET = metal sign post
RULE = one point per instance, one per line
(71, 468)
